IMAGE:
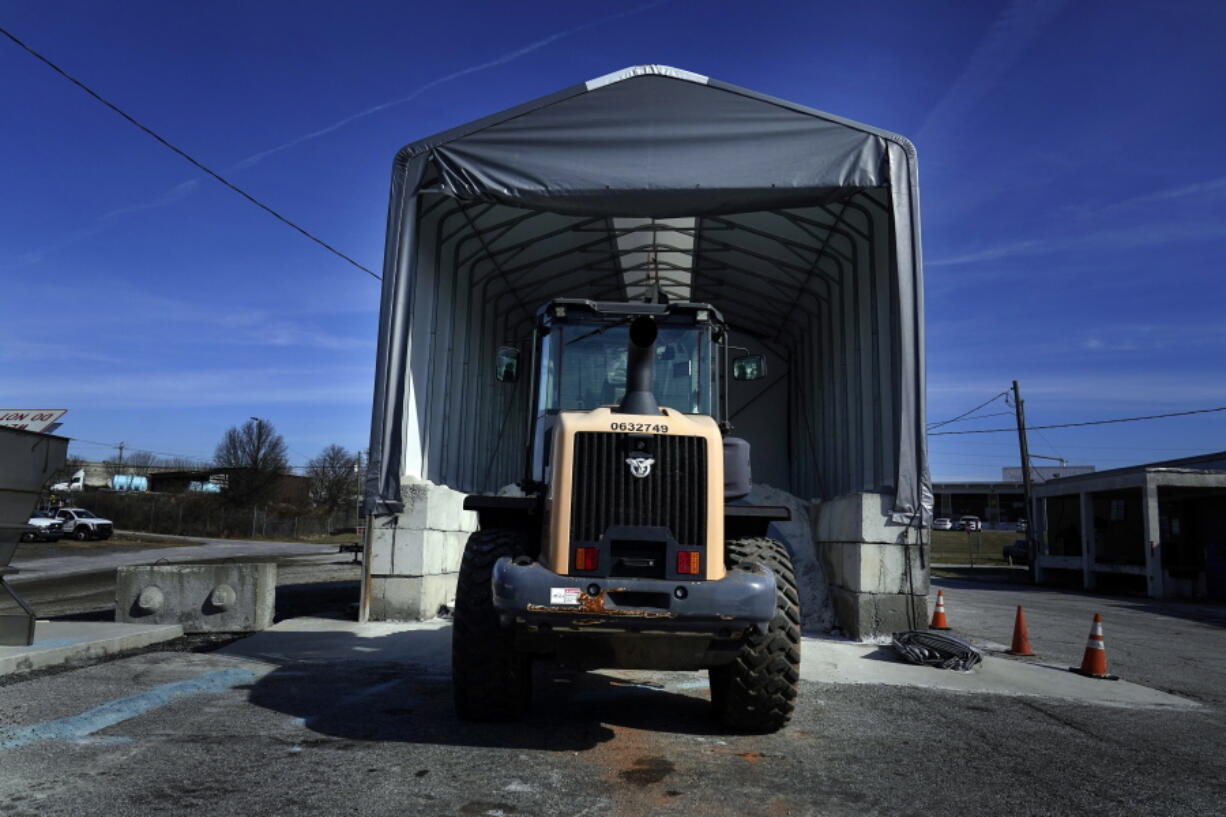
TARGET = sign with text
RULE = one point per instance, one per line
(31, 419)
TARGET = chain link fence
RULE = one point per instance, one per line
(206, 515)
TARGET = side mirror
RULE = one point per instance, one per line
(506, 367)
(749, 367)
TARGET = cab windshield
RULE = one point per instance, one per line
(585, 367)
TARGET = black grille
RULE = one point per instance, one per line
(673, 495)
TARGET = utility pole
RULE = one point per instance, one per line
(119, 467)
(1019, 407)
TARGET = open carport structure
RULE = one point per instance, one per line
(1158, 528)
(802, 228)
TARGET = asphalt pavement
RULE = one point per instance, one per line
(1177, 647)
(64, 581)
(33, 564)
(320, 717)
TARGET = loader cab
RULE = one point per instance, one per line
(580, 360)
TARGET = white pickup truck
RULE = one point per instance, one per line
(46, 527)
(81, 524)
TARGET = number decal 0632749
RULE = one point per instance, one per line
(648, 428)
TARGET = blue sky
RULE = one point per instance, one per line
(1073, 197)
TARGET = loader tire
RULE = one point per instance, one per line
(757, 691)
(490, 680)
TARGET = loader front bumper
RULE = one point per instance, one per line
(536, 597)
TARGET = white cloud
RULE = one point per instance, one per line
(1210, 188)
(1109, 239)
(118, 307)
(210, 387)
(988, 254)
(175, 194)
(27, 349)
(1118, 390)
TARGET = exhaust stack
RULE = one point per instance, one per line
(640, 368)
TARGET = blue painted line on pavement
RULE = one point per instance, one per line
(49, 643)
(93, 720)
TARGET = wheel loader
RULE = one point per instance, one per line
(630, 546)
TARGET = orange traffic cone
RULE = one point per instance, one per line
(1021, 636)
(1094, 663)
(939, 622)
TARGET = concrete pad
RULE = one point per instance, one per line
(845, 662)
(72, 642)
(824, 660)
(424, 644)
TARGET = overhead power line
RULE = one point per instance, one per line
(184, 154)
(1086, 423)
(176, 455)
(964, 414)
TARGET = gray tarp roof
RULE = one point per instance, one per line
(802, 227)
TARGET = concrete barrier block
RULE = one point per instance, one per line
(409, 553)
(871, 615)
(411, 598)
(433, 507)
(869, 568)
(435, 552)
(382, 541)
(861, 518)
(445, 549)
(450, 506)
(227, 598)
(456, 540)
(416, 498)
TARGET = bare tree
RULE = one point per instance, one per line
(259, 456)
(134, 462)
(182, 464)
(333, 478)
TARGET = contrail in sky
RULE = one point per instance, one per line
(434, 83)
(184, 189)
(1012, 32)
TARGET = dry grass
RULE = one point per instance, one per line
(976, 547)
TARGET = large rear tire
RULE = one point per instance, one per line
(757, 691)
(491, 681)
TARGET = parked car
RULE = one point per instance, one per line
(81, 524)
(45, 528)
(942, 524)
(969, 523)
(1017, 553)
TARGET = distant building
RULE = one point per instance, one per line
(291, 489)
(1159, 529)
(995, 503)
(1042, 473)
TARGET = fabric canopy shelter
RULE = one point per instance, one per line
(801, 227)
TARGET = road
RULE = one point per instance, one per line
(65, 581)
(342, 722)
(1173, 646)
